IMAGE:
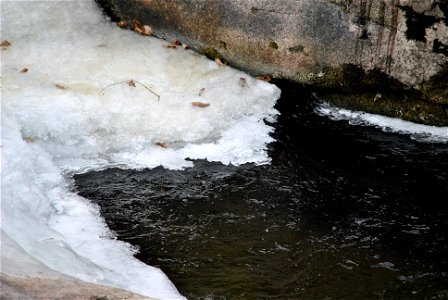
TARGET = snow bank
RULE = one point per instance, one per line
(68, 106)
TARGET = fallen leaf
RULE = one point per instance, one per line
(136, 23)
(163, 145)
(201, 91)
(131, 83)
(137, 26)
(219, 62)
(200, 104)
(29, 139)
(176, 42)
(5, 44)
(162, 190)
(185, 46)
(243, 82)
(24, 70)
(170, 46)
(264, 78)
(122, 24)
(60, 86)
(147, 30)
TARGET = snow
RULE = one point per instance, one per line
(74, 111)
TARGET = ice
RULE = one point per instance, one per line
(419, 132)
(74, 110)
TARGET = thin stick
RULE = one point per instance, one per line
(152, 92)
(127, 81)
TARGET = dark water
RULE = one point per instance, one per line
(342, 212)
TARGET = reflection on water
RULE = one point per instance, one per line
(343, 212)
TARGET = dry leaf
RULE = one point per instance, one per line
(163, 145)
(170, 46)
(29, 139)
(264, 78)
(60, 86)
(24, 70)
(176, 42)
(146, 30)
(122, 24)
(219, 62)
(185, 46)
(201, 91)
(200, 104)
(137, 26)
(131, 83)
(243, 82)
(162, 190)
(5, 44)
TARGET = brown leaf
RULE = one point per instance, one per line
(122, 24)
(200, 104)
(137, 26)
(60, 86)
(146, 30)
(29, 139)
(170, 46)
(5, 44)
(219, 62)
(24, 70)
(136, 23)
(185, 46)
(131, 83)
(264, 78)
(243, 82)
(201, 91)
(138, 30)
(176, 42)
(163, 145)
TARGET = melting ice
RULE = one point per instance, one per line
(419, 132)
(74, 110)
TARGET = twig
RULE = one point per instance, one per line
(149, 90)
(135, 81)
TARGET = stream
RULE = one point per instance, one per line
(341, 212)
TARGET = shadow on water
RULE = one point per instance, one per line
(342, 212)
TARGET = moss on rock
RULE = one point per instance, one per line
(392, 105)
(436, 88)
(350, 87)
(211, 53)
(273, 45)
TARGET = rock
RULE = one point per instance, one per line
(16, 287)
(311, 41)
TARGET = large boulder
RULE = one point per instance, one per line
(357, 48)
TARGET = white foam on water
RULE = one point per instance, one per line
(418, 132)
(74, 110)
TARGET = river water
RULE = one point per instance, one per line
(341, 212)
